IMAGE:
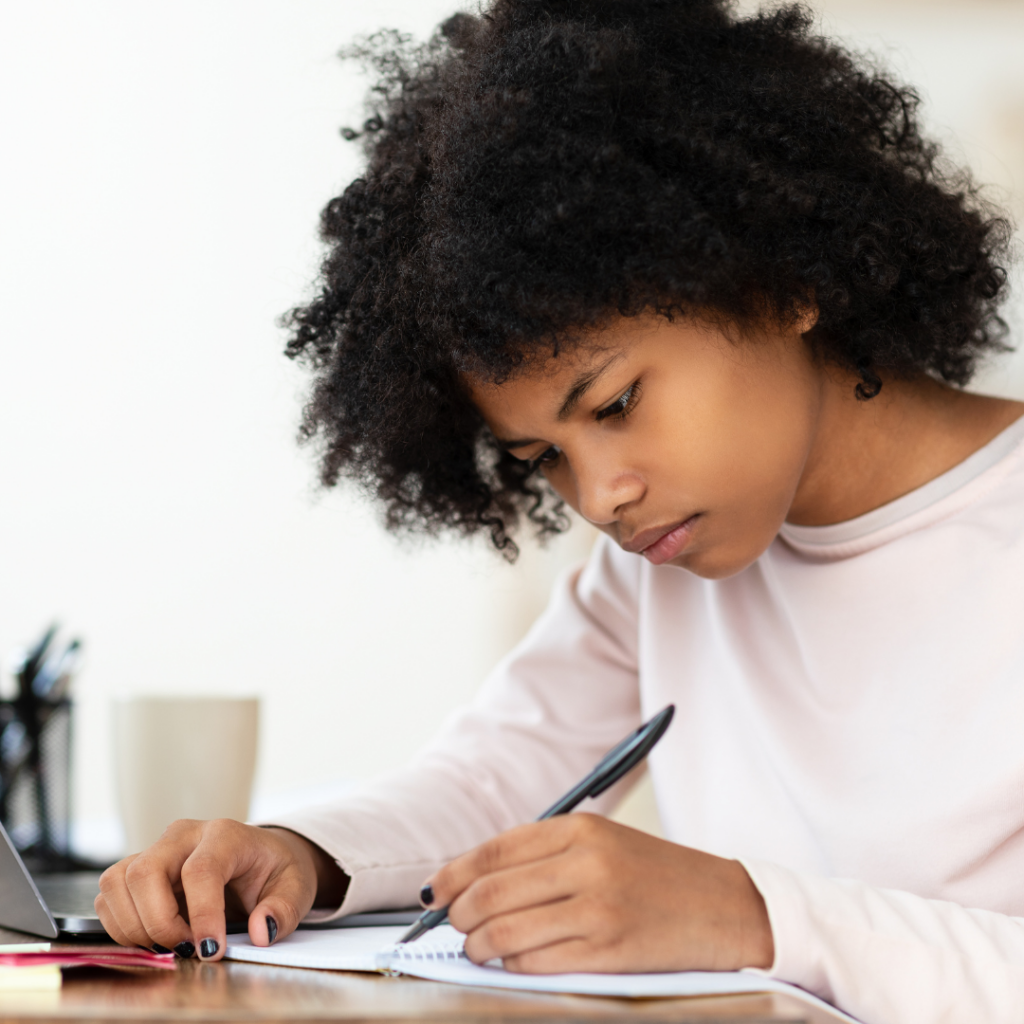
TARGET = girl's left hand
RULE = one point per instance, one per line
(581, 893)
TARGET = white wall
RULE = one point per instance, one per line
(164, 166)
(966, 58)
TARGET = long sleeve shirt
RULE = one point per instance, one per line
(849, 724)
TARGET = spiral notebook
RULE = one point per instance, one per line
(438, 956)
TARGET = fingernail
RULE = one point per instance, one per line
(208, 948)
(157, 948)
(427, 895)
(185, 950)
(271, 929)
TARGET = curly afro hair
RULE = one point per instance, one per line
(550, 163)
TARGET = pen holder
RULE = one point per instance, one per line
(35, 781)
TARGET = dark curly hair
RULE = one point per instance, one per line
(551, 163)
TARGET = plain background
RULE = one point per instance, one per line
(164, 167)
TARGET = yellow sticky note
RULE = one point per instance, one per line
(42, 976)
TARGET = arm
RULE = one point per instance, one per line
(890, 957)
(581, 893)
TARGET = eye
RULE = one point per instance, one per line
(548, 456)
(623, 405)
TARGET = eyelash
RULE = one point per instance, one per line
(619, 410)
(546, 456)
(623, 405)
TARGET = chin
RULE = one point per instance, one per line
(724, 548)
(713, 564)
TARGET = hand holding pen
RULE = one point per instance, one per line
(580, 892)
(617, 763)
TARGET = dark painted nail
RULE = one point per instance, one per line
(185, 950)
(157, 948)
(427, 895)
(271, 929)
(208, 948)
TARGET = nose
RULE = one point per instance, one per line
(603, 490)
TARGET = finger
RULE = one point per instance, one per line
(517, 846)
(502, 892)
(210, 866)
(150, 882)
(572, 956)
(109, 922)
(119, 904)
(523, 931)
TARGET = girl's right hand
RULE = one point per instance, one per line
(173, 893)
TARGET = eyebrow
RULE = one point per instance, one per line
(580, 386)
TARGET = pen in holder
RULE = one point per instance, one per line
(35, 756)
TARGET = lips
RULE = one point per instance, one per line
(662, 543)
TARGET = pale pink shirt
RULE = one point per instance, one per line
(849, 723)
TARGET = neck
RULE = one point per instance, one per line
(868, 453)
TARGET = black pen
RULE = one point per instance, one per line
(53, 677)
(32, 662)
(616, 763)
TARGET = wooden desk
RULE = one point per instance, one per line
(233, 991)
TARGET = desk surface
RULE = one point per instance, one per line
(235, 991)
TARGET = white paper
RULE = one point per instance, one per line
(346, 949)
(337, 949)
(438, 956)
(635, 986)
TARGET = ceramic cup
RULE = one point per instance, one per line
(182, 757)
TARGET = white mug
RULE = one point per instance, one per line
(183, 757)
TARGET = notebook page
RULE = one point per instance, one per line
(341, 949)
(438, 956)
(442, 944)
(346, 949)
(460, 971)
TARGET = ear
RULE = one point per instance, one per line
(807, 316)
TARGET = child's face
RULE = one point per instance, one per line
(679, 443)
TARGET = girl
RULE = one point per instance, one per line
(701, 279)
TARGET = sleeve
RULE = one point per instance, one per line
(890, 957)
(541, 721)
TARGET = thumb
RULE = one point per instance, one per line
(284, 902)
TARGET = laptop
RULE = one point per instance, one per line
(54, 906)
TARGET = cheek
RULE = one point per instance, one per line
(761, 462)
(741, 459)
(745, 439)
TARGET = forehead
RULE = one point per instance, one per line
(585, 352)
(543, 385)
